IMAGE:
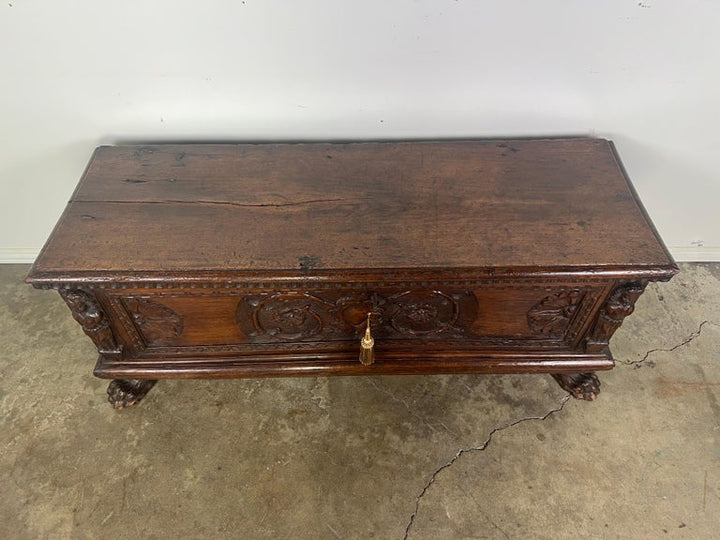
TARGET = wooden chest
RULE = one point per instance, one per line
(251, 260)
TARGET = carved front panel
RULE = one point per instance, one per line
(301, 316)
(253, 320)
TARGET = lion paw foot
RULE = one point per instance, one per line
(581, 385)
(123, 393)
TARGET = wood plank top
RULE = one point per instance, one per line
(547, 203)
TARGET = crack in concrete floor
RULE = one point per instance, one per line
(693, 335)
(636, 364)
(471, 449)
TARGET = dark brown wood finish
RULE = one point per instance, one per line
(265, 260)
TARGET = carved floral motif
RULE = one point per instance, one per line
(158, 324)
(552, 315)
(422, 312)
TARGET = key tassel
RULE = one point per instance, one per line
(367, 345)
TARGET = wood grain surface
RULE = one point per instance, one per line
(319, 207)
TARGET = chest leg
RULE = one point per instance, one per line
(123, 393)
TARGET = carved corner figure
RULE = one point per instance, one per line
(89, 313)
(619, 305)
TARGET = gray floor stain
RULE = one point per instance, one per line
(352, 457)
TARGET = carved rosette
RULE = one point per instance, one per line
(305, 317)
(158, 324)
(553, 314)
(419, 313)
(619, 305)
(89, 313)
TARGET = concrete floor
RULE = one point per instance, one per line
(382, 457)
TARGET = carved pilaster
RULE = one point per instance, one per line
(619, 305)
(87, 311)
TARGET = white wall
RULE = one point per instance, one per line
(78, 73)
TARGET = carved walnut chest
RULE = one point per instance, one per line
(253, 260)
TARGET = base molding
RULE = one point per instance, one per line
(347, 364)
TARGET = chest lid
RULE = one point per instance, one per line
(323, 207)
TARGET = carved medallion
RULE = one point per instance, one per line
(158, 324)
(552, 315)
(422, 312)
(286, 316)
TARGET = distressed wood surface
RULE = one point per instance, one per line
(321, 207)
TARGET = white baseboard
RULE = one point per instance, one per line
(695, 253)
(10, 255)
